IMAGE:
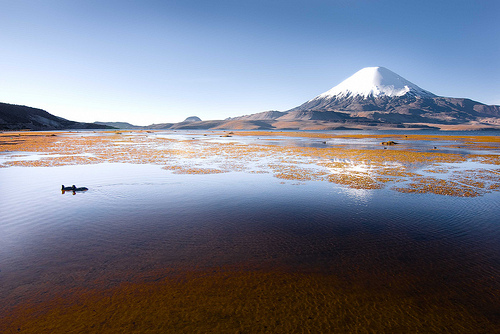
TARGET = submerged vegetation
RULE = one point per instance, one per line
(251, 302)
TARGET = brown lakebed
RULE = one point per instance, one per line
(257, 232)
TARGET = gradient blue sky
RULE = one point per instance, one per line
(161, 61)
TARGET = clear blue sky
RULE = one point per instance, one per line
(160, 61)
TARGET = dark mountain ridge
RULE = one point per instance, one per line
(17, 117)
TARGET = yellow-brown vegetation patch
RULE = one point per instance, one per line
(193, 170)
(367, 168)
(439, 187)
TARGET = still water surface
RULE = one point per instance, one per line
(141, 219)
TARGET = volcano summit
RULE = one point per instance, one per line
(374, 82)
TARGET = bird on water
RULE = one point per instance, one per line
(74, 188)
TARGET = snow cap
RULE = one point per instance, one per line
(376, 82)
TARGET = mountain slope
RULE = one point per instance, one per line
(409, 108)
(261, 116)
(16, 117)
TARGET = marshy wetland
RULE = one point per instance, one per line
(249, 231)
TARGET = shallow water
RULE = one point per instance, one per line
(437, 145)
(141, 219)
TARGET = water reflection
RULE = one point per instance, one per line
(361, 195)
(72, 191)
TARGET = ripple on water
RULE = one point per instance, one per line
(137, 219)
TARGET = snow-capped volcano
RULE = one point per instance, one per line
(375, 82)
(369, 89)
(376, 94)
(373, 97)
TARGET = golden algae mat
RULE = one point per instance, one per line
(241, 231)
(449, 165)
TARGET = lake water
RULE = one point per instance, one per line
(136, 221)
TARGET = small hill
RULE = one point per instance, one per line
(120, 125)
(192, 119)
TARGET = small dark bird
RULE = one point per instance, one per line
(74, 188)
(66, 188)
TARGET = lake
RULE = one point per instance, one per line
(375, 258)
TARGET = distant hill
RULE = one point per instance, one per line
(16, 117)
(120, 125)
(261, 116)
